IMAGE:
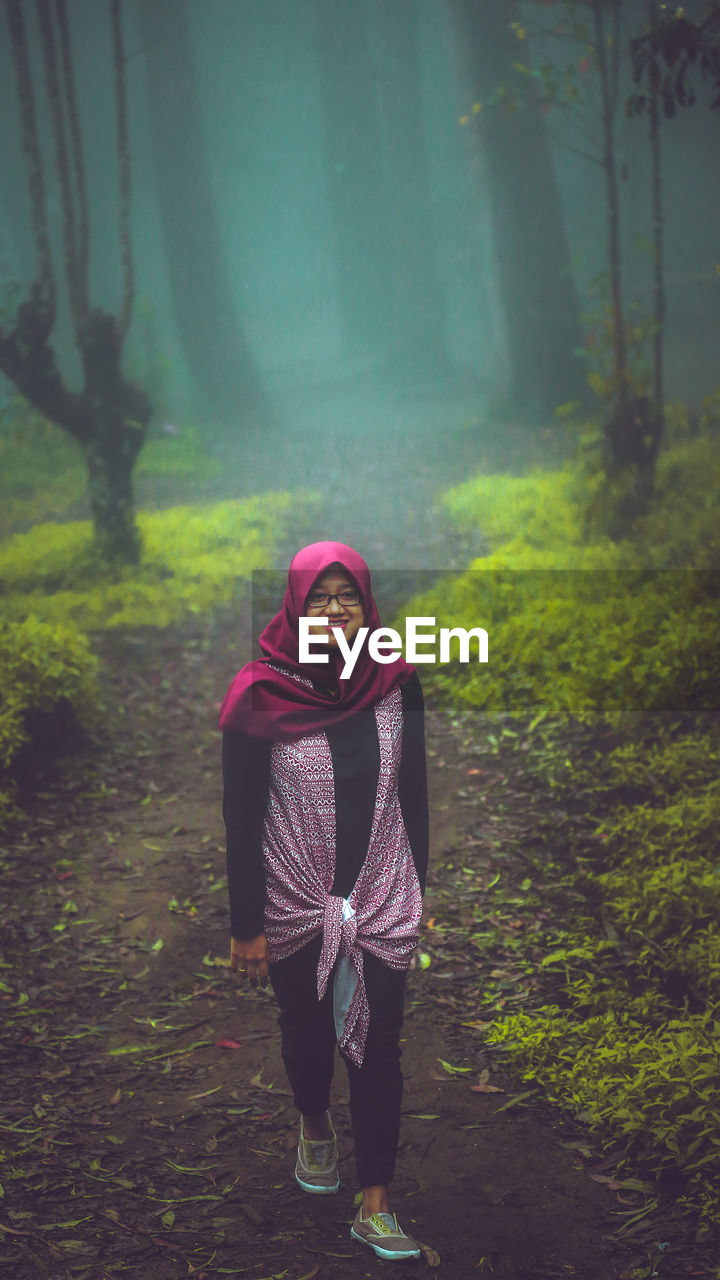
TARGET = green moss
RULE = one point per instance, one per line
(42, 471)
(623, 636)
(584, 627)
(180, 454)
(654, 1089)
(43, 474)
(55, 589)
(194, 558)
(46, 671)
(686, 827)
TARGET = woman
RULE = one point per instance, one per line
(325, 806)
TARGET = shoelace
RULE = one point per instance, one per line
(386, 1223)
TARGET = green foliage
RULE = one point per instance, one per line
(687, 827)
(41, 468)
(584, 627)
(599, 349)
(518, 513)
(177, 453)
(622, 636)
(628, 1036)
(194, 559)
(665, 55)
(54, 588)
(652, 1087)
(46, 672)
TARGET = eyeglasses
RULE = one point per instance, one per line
(347, 599)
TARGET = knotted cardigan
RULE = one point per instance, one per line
(298, 836)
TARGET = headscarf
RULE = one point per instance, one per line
(267, 702)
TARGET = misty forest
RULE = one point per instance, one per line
(439, 279)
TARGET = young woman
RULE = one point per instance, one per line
(325, 806)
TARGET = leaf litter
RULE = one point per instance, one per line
(98, 1137)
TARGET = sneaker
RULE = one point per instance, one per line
(383, 1233)
(316, 1167)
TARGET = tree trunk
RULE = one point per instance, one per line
(659, 255)
(632, 433)
(357, 187)
(620, 427)
(109, 417)
(414, 301)
(530, 242)
(109, 458)
(206, 311)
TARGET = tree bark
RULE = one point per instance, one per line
(659, 256)
(205, 309)
(109, 458)
(609, 106)
(109, 417)
(357, 187)
(530, 242)
(414, 300)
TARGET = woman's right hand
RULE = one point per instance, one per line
(250, 956)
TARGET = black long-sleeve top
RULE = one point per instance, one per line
(356, 765)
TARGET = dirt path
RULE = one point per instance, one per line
(147, 1124)
(145, 1116)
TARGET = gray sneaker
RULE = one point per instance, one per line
(316, 1166)
(384, 1234)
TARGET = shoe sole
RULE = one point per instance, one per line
(385, 1253)
(314, 1189)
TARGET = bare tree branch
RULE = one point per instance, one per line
(615, 37)
(29, 362)
(124, 171)
(63, 168)
(44, 292)
(83, 245)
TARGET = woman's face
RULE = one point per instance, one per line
(339, 611)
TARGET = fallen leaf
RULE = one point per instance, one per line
(519, 1097)
(451, 1070)
(431, 1257)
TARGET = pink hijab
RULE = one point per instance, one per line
(268, 703)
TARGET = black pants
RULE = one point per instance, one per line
(308, 1050)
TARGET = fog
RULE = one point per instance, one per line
(337, 252)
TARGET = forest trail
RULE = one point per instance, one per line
(147, 1120)
(147, 1124)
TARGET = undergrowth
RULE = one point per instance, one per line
(614, 645)
(55, 591)
(42, 470)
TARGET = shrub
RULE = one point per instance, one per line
(578, 627)
(47, 680)
(611, 634)
(194, 558)
(653, 1088)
